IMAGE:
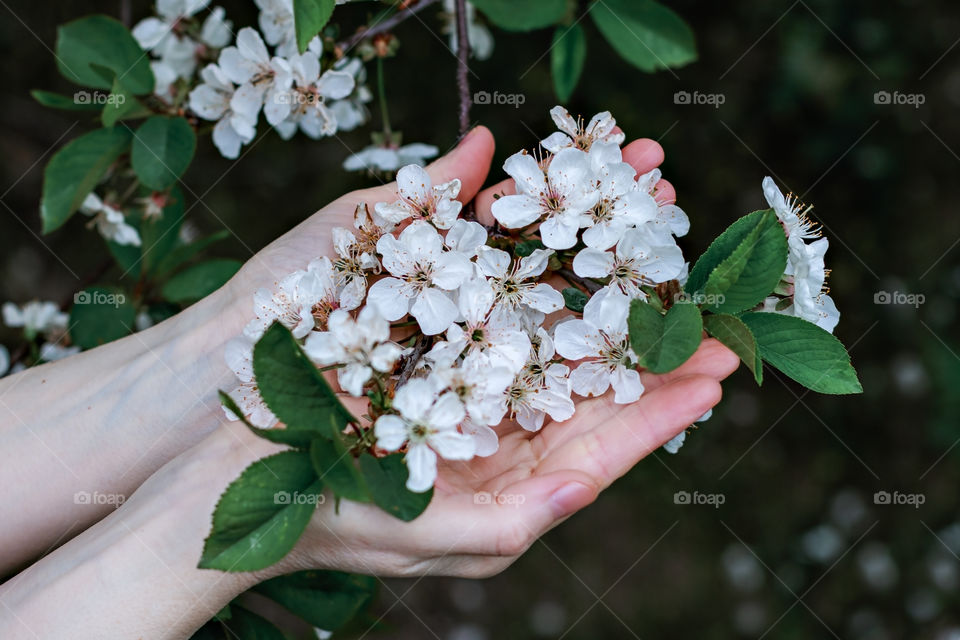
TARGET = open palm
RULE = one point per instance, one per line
(487, 511)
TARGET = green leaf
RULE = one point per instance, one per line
(246, 625)
(126, 255)
(522, 16)
(200, 280)
(527, 247)
(804, 352)
(212, 630)
(101, 40)
(182, 253)
(567, 56)
(737, 337)
(325, 599)
(293, 438)
(262, 514)
(159, 235)
(752, 270)
(75, 170)
(293, 388)
(387, 479)
(336, 467)
(121, 105)
(79, 102)
(645, 33)
(309, 18)
(664, 342)
(742, 266)
(100, 315)
(575, 299)
(162, 150)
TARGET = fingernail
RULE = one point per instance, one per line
(571, 497)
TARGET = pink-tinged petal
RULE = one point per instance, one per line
(627, 385)
(452, 445)
(446, 413)
(543, 298)
(434, 311)
(422, 464)
(526, 173)
(352, 378)
(590, 379)
(564, 121)
(391, 297)
(577, 339)
(485, 440)
(556, 141)
(413, 183)
(559, 232)
(493, 263)
(414, 399)
(517, 211)
(593, 263)
(451, 269)
(391, 432)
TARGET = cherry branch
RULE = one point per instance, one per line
(463, 53)
(385, 25)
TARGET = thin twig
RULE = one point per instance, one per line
(573, 278)
(410, 361)
(386, 25)
(463, 53)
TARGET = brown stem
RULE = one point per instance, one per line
(571, 277)
(386, 25)
(420, 348)
(463, 53)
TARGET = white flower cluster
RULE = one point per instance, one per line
(493, 353)
(803, 291)
(37, 318)
(246, 78)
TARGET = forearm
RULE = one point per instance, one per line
(80, 434)
(133, 574)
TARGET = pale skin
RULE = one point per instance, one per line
(140, 418)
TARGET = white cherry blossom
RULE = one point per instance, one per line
(109, 221)
(388, 157)
(239, 356)
(562, 196)
(515, 286)
(541, 389)
(211, 100)
(351, 111)
(478, 35)
(601, 340)
(642, 257)
(422, 273)
(427, 424)
(421, 200)
(362, 345)
(35, 317)
(478, 384)
(573, 134)
(621, 204)
(496, 336)
(670, 218)
(300, 300)
(260, 77)
(303, 103)
(791, 213)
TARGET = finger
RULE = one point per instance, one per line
(612, 446)
(712, 359)
(469, 161)
(643, 155)
(664, 193)
(488, 196)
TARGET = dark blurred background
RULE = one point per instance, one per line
(802, 546)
